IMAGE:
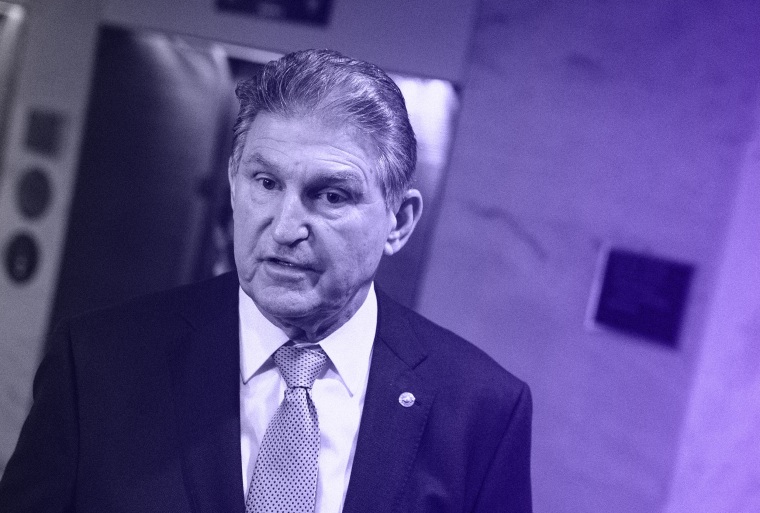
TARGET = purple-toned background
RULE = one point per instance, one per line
(582, 125)
(632, 124)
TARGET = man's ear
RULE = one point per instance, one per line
(406, 218)
(231, 171)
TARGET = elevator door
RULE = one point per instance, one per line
(156, 132)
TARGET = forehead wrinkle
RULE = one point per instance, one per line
(350, 175)
(258, 158)
(337, 165)
(340, 157)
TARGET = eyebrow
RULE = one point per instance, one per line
(320, 178)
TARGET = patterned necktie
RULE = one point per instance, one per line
(285, 474)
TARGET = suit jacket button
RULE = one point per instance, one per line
(406, 399)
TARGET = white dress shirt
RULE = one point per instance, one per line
(338, 393)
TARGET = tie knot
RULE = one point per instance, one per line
(300, 366)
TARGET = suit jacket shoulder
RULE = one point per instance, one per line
(136, 409)
(455, 361)
(161, 314)
(464, 442)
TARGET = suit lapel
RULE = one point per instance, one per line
(206, 375)
(389, 433)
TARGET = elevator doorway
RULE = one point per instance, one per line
(151, 204)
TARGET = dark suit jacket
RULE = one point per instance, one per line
(136, 409)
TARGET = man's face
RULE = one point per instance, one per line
(310, 222)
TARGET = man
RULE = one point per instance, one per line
(293, 386)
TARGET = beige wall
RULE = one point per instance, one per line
(718, 468)
(584, 124)
(423, 37)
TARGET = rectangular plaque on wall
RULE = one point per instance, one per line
(315, 12)
(643, 295)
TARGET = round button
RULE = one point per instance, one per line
(21, 257)
(406, 399)
(33, 193)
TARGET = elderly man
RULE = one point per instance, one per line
(293, 386)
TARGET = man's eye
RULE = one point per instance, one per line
(267, 183)
(334, 197)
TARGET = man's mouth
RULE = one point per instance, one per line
(288, 263)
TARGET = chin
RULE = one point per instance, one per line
(287, 309)
(283, 303)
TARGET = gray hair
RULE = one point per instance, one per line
(337, 89)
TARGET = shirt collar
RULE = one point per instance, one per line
(349, 347)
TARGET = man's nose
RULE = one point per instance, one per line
(290, 223)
